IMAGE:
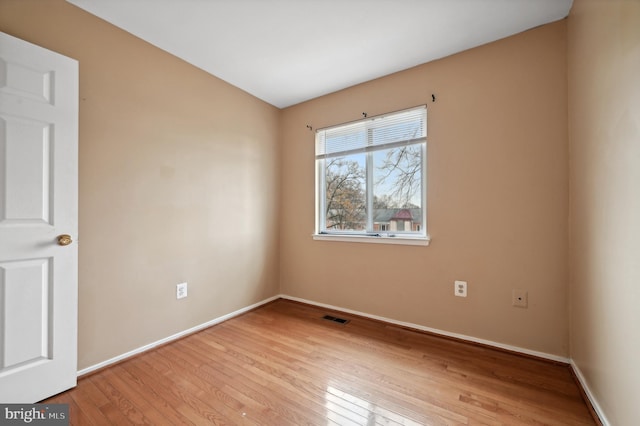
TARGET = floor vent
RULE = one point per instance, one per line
(335, 319)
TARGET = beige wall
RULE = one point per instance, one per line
(604, 129)
(497, 197)
(178, 182)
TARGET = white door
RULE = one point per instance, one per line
(38, 203)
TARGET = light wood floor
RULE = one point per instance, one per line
(282, 364)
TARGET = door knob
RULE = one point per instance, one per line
(64, 240)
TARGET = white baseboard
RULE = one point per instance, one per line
(587, 390)
(174, 337)
(435, 330)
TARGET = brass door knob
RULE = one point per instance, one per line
(64, 240)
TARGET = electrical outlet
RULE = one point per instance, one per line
(181, 291)
(519, 298)
(460, 288)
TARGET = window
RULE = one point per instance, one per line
(371, 177)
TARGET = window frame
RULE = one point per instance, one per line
(419, 237)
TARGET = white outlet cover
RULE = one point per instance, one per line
(460, 288)
(181, 291)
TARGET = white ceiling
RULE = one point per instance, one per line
(288, 51)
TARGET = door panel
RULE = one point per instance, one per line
(25, 297)
(24, 81)
(38, 202)
(26, 169)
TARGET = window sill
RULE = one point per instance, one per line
(401, 240)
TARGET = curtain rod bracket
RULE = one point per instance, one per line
(309, 127)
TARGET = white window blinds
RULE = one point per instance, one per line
(372, 134)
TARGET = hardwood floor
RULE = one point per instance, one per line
(282, 364)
